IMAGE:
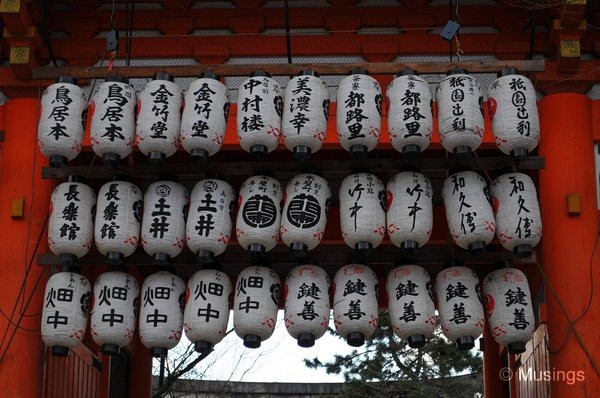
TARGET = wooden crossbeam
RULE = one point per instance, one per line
(375, 68)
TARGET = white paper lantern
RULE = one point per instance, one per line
(411, 304)
(259, 109)
(355, 308)
(304, 217)
(62, 121)
(159, 117)
(305, 114)
(71, 225)
(410, 118)
(358, 115)
(307, 306)
(207, 309)
(460, 113)
(163, 223)
(161, 312)
(518, 219)
(410, 210)
(65, 313)
(114, 311)
(204, 119)
(514, 114)
(468, 211)
(208, 227)
(259, 214)
(460, 305)
(509, 308)
(255, 304)
(113, 120)
(362, 211)
(118, 218)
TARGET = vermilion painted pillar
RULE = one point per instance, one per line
(568, 241)
(21, 369)
(492, 384)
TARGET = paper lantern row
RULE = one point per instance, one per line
(202, 310)
(166, 119)
(297, 216)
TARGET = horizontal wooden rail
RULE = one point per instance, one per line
(375, 68)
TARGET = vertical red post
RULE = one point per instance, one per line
(492, 383)
(568, 241)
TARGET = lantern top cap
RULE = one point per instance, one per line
(408, 72)
(209, 75)
(117, 268)
(458, 169)
(163, 76)
(308, 72)
(66, 79)
(457, 71)
(359, 71)
(115, 78)
(361, 170)
(264, 172)
(260, 73)
(75, 178)
(507, 72)
(312, 170)
(215, 175)
(168, 177)
(122, 177)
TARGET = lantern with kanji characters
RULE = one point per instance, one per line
(460, 305)
(71, 225)
(161, 312)
(409, 118)
(355, 308)
(259, 213)
(209, 220)
(207, 309)
(159, 117)
(513, 111)
(259, 110)
(305, 114)
(468, 211)
(163, 223)
(410, 210)
(62, 121)
(411, 304)
(306, 199)
(114, 309)
(362, 211)
(509, 308)
(518, 219)
(358, 115)
(204, 118)
(255, 304)
(113, 120)
(118, 218)
(65, 312)
(306, 295)
(460, 112)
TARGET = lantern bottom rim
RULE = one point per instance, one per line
(301, 152)
(156, 158)
(416, 341)
(258, 151)
(462, 151)
(477, 248)
(355, 339)
(306, 340)
(159, 352)
(115, 258)
(162, 259)
(409, 247)
(465, 343)
(203, 347)
(57, 160)
(199, 155)
(110, 349)
(67, 260)
(205, 256)
(60, 351)
(411, 151)
(359, 151)
(519, 153)
(363, 248)
(111, 159)
(252, 341)
(522, 251)
(518, 347)
(256, 249)
(299, 249)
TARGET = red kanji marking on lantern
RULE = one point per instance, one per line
(93, 141)
(402, 272)
(503, 237)
(337, 322)
(324, 321)
(187, 327)
(128, 333)
(320, 136)
(375, 132)
(498, 331)
(131, 240)
(41, 144)
(88, 244)
(396, 329)
(78, 334)
(393, 135)
(270, 323)
(93, 330)
(282, 230)
(442, 136)
(393, 228)
(429, 134)
(318, 234)
(444, 330)
(274, 131)
(479, 132)
(373, 322)
(450, 273)
(354, 270)
(380, 230)
(480, 323)
(179, 242)
(430, 320)
(175, 335)
(219, 139)
(454, 235)
(289, 322)
(144, 241)
(223, 238)
(489, 226)
(500, 141)
(238, 232)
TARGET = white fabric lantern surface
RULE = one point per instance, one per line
(410, 210)
(460, 113)
(204, 118)
(468, 212)
(514, 114)
(305, 114)
(207, 309)
(161, 312)
(358, 114)
(112, 128)
(65, 313)
(62, 122)
(362, 211)
(509, 308)
(159, 117)
(118, 218)
(255, 304)
(208, 227)
(71, 225)
(306, 294)
(410, 118)
(411, 304)
(460, 305)
(163, 223)
(259, 110)
(114, 310)
(518, 219)
(259, 213)
(307, 199)
(355, 307)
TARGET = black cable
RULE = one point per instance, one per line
(45, 30)
(129, 43)
(450, 17)
(288, 36)
(532, 23)
(126, 32)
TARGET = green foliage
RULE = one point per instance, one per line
(387, 367)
